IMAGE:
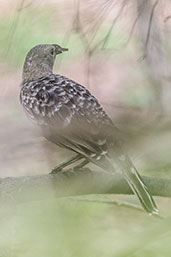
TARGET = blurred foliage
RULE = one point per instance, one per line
(70, 228)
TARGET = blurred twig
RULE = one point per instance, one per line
(87, 38)
(149, 27)
(111, 202)
(107, 201)
(132, 30)
(155, 56)
(106, 38)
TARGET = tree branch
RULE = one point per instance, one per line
(70, 183)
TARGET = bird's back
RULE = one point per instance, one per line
(55, 95)
(69, 115)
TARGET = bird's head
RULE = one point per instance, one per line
(40, 60)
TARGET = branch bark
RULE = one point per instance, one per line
(69, 183)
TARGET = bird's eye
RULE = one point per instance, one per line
(52, 51)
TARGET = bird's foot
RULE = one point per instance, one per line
(65, 164)
(81, 165)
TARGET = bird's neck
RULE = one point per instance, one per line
(31, 73)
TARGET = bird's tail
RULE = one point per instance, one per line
(137, 185)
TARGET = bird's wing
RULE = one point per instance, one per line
(69, 115)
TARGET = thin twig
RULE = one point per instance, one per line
(132, 30)
(113, 23)
(108, 201)
(149, 27)
(103, 13)
(112, 202)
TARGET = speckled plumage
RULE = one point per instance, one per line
(61, 106)
(48, 96)
(70, 116)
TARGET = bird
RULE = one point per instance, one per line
(71, 117)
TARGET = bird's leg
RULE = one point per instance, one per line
(65, 164)
(81, 165)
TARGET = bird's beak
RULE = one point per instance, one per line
(60, 49)
(64, 49)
